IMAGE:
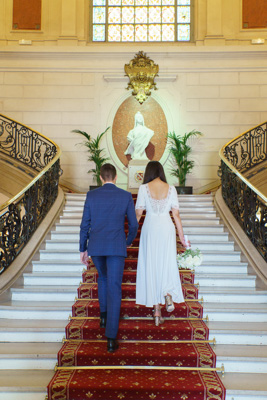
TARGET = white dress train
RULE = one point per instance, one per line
(157, 270)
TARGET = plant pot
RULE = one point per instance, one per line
(93, 187)
(184, 189)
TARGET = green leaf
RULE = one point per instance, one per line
(180, 150)
(95, 153)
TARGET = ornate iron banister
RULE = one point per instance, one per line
(247, 204)
(21, 215)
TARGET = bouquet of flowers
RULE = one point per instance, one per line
(189, 259)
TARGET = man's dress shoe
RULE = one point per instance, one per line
(103, 322)
(113, 345)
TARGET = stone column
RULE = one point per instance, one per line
(68, 33)
(214, 34)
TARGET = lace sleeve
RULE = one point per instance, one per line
(141, 200)
(174, 199)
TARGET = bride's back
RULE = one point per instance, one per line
(158, 189)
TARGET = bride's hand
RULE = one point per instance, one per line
(185, 243)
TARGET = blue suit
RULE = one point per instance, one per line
(102, 235)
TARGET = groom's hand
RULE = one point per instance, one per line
(84, 257)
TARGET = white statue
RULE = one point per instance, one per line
(139, 138)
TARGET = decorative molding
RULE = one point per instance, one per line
(119, 78)
(233, 52)
(91, 59)
(141, 72)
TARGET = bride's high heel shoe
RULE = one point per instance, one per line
(157, 316)
(169, 303)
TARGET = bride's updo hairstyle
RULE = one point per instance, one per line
(154, 170)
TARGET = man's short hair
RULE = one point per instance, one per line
(108, 172)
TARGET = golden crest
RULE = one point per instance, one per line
(89, 395)
(141, 72)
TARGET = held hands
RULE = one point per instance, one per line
(84, 258)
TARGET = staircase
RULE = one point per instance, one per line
(34, 313)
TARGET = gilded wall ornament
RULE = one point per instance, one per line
(141, 72)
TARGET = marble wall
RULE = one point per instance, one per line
(60, 82)
(219, 91)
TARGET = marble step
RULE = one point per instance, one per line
(36, 331)
(75, 255)
(194, 219)
(76, 266)
(188, 229)
(186, 222)
(182, 208)
(201, 245)
(74, 278)
(245, 333)
(242, 333)
(42, 356)
(49, 310)
(24, 384)
(192, 212)
(236, 295)
(215, 237)
(34, 310)
(242, 358)
(189, 198)
(211, 295)
(31, 385)
(30, 356)
(183, 203)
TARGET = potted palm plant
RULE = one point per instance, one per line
(180, 150)
(95, 154)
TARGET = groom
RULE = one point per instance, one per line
(103, 238)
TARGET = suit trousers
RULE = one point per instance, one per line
(110, 272)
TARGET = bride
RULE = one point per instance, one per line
(158, 279)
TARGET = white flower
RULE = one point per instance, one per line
(189, 259)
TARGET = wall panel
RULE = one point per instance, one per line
(254, 14)
(27, 14)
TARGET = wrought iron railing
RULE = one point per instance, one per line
(21, 215)
(247, 204)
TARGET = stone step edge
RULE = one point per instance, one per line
(52, 274)
(220, 350)
(203, 289)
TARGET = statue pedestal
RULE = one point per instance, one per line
(136, 170)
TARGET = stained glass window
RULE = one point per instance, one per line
(141, 20)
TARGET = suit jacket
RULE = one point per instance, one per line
(102, 227)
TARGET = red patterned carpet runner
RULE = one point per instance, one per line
(171, 362)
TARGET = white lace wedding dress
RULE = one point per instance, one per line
(157, 270)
